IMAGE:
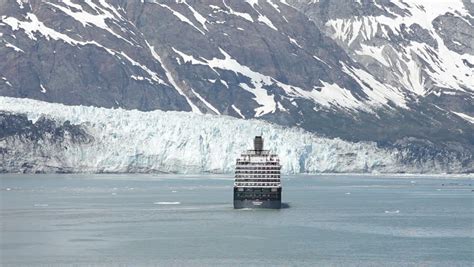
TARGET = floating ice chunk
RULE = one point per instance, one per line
(392, 211)
(166, 203)
(348, 193)
(41, 205)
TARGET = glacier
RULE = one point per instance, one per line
(182, 142)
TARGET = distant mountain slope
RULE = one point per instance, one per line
(385, 71)
(425, 47)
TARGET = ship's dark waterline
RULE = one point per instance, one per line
(263, 198)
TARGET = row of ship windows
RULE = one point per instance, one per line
(257, 176)
(257, 172)
(255, 189)
(257, 180)
(257, 184)
(241, 162)
(237, 169)
(256, 167)
(260, 196)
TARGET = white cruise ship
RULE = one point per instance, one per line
(257, 179)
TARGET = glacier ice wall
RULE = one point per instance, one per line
(157, 141)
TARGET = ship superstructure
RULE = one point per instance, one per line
(257, 178)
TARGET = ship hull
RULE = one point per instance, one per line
(257, 198)
(257, 204)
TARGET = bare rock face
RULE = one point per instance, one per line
(457, 32)
(359, 70)
(420, 47)
(38, 147)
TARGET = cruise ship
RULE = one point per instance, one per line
(257, 179)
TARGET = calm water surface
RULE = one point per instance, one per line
(136, 220)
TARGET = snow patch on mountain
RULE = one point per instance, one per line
(230, 11)
(180, 16)
(88, 19)
(200, 18)
(378, 93)
(328, 94)
(465, 117)
(32, 25)
(172, 80)
(15, 48)
(266, 101)
(265, 20)
(416, 62)
(203, 100)
(375, 52)
(262, 18)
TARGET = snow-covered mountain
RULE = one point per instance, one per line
(397, 73)
(423, 46)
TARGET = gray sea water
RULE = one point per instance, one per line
(176, 220)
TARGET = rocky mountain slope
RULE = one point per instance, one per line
(425, 47)
(395, 72)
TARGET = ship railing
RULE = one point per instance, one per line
(253, 175)
(243, 180)
(257, 176)
(258, 184)
(254, 161)
(258, 167)
(257, 172)
(253, 153)
(259, 157)
(263, 175)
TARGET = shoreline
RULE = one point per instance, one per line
(225, 176)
